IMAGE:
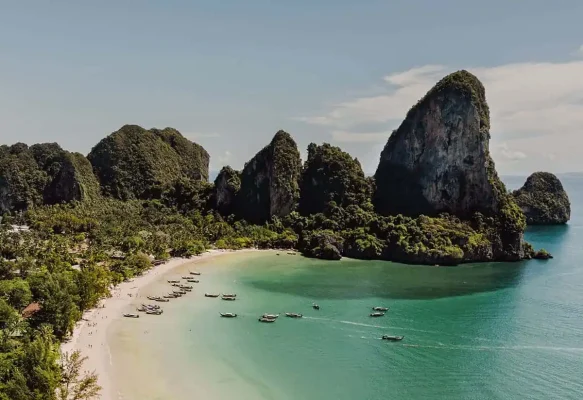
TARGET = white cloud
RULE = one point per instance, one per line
(225, 157)
(524, 99)
(527, 101)
(579, 51)
(507, 153)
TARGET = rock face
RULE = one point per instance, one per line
(438, 161)
(43, 174)
(135, 163)
(332, 175)
(227, 185)
(543, 200)
(269, 181)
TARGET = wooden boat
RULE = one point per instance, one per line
(154, 312)
(270, 316)
(169, 296)
(393, 338)
(194, 273)
(211, 295)
(315, 306)
(192, 280)
(380, 308)
(186, 277)
(266, 319)
(176, 284)
(228, 315)
(293, 315)
(185, 287)
(377, 314)
(154, 306)
(153, 298)
(131, 315)
(229, 298)
(173, 281)
(163, 300)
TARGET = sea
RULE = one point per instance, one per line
(478, 331)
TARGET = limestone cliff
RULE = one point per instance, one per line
(135, 163)
(227, 185)
(543, 200)
(438, 161)
(332, 175)
(269, 181)
(43, 174)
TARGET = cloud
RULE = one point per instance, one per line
(579, 51)
(526, 100)
(507, 153)
(225, 157)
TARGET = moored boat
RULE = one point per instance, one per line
(293, 315)
(153, 297)
(192, 280)
(185, 286)
(380, 308)
(194, 273)
(162, 300)
(393, 338)
(229, 295)
(377, 314)
(266, 319)
(154, 312)
(211, 295)
(173, 281)
(186, 277)
(131, 315)
(270, 316)
(228, 315)
(229, 298)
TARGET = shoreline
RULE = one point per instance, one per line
(90, 333)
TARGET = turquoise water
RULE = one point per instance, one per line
(485, 331)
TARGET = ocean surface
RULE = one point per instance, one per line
(480, 331)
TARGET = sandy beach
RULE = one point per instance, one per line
(90, 334)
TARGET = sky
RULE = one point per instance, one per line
(230, 74)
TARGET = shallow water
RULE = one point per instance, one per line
(484, 331)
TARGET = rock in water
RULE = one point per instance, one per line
(543, 200)
(331, 174)
(135, 163)
(270, 181)
(438, 161)
(227, 185)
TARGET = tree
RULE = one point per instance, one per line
(74, 384)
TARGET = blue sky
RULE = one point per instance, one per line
(229, 74)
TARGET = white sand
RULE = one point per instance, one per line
(90, 334)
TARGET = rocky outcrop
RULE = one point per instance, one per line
(438, 161)
(227, 185)
(135, 163)
(270, 181)
(74, 181)
(543, 200)
(43, 174)
(194, 159)
(332, 175)
(325, 245)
